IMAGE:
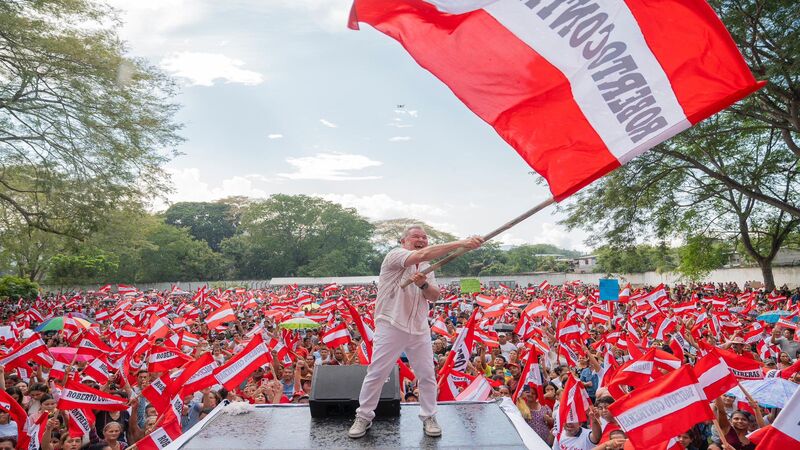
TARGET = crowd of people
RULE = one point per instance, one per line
(130, 369)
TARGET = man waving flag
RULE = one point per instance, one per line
(621, 76)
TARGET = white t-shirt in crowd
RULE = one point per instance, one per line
(9, 429)
(505, 349)
(579, 442)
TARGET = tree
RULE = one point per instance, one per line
(635, 258)
(206, 221)
(134, 246)
(15, 288)
(768, 35)
(700, 255)
(25, 250)
(83, 129)
(293, 235)
(90, 267)
(175, 256)
(660, 195)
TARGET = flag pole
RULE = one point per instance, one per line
(491, 235)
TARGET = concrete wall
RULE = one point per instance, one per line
(783, 275)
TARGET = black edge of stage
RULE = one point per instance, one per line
(473, 425)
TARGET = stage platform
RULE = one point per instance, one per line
(473, 425)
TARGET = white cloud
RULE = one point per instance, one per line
(399, 138)
(327, 123)
(559, 236)
(330, 167)
(509, 239)
(275, 136)
(381, 206)
(189, 185)
(400, 125)
(148, 23)
(203, 69)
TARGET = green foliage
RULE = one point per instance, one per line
(83, 128)
(174, 255)
(87, 268)
(206, 221)
(14, 288)
(700, 255)
(294, 235)
(491, 260)
(25, 250)
(134, 247)
(635, 259)
(666, 193)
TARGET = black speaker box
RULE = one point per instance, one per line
(335, 389)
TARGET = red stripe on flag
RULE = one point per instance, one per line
(717, 77)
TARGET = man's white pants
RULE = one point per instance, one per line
(389, 342)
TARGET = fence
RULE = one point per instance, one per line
(783, 275)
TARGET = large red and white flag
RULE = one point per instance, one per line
(32, 349)
(651, 414)
(531, 376)
(611, 70)
(536, 309)
(742, 367)
(785, 432)
(77, 395)
(157, 392)
(161, 437)
(219, 316)
(336, 336)
(81, 421)
(714, 376)
(233, 372)
(92, 345)
(163, 358)
(197, 375)
(124, 289)
(574, 403)
(477, 391)
(18, 415)
(439, 326)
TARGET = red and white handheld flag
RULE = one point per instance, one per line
(477, 391)
(336, 336)
(76, 395)
(233, 372)
(574, 403)
(221, 315)
(124, 289)
(651, 414)
(714, 375)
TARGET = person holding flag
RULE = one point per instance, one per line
(401, 324)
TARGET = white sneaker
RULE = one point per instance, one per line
(360, 427)
(431, 427)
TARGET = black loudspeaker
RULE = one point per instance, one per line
(335, 389)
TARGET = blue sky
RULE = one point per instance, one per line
(280, 97)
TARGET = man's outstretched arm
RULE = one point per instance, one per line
(435, 251)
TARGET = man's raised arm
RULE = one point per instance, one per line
(435, 251)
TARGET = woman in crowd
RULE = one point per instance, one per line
(111, 436)
(736, 429)
(538, 416)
